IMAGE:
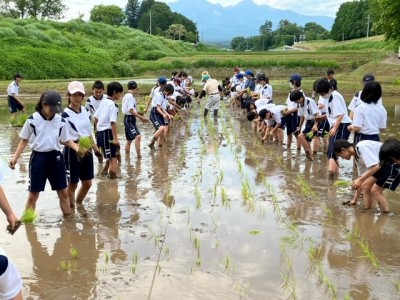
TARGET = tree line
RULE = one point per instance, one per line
(147, 15)
(354, 19)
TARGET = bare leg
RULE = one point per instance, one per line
(137, 146)
(113, 167)
(32, 198)
(377, 193)
(366, 187)
(64, 201)
(71, 193)
(82, 192)
(128, 146)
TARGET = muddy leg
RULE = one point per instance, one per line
(64, 202)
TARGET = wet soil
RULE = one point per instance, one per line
(214, 214)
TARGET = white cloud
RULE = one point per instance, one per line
(306, 7)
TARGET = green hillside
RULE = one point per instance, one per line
(49, 49)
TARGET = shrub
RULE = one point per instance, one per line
(151, 55)
(7, 32)
(20, 31)
(122, 68)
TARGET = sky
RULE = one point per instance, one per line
(305, 7)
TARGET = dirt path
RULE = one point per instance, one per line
(392, 59)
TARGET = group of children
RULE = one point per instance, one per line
(324, 117)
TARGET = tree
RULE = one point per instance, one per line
(315, 31)
(6, 9)
(266, 28)
(238, 43)
(387, 14)
(108, 14)
(352, 20)
(132, 13)
(39, 9)
(145, 6)
(176, 31)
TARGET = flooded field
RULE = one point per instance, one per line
(214, 214)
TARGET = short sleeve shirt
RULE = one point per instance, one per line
(92, 104)
(106, 114)
(309, 109)
(371, 118)
(13, 88)
(128, 103)
(43, 134)
(78, 122)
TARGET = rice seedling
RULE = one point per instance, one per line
(65, 265)
(196, 244)
(215, 191)
(248, 195)
(255, 232)
(242, 288)
(28, 217)
(134, 263)
(396, 285)
(329, 213)
(220, 177)
(356, 236)
(305, 188)
(342, 183)
(198, 262)
(347, 296)
(106, 257)
(315, 254)
(240, 168)
(158, 268)
(166, 252)
(310, 135)
(198, 197)
(85, 143)
(74, 252)
(224, 198)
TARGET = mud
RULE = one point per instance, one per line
(214, 214)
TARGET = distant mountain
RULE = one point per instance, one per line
(217, 23)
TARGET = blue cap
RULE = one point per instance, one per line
(238, 76)
(295, 77)
(249, 73)
(162, 80)
(205, 77)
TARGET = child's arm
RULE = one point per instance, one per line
(21, 146)
(7, 210)
(114, 133)
(135, 114)
(359, 181)
(339, 119)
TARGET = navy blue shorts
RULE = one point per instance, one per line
(292, 121)
(323, 127)
(358, 137)
(388, 176)
(131, 130)
(283, 123)
(156, 118)
(47, 165)
(308, 128)
(81, 169)
(341, 134)
(105, 143)
(14, 105)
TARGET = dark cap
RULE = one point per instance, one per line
(238, 76)
(262, 77)
(132, 85)
(295, 77)
(330, 72)
(18, 75)
(53, 99)
(162, 80)
(368, 77)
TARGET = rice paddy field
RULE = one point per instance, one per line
(214, 214)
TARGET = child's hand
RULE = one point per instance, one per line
(12, 163)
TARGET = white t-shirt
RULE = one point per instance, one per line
(160, 99)
(337, 107)
(261, 102)
(323, 103)
(368, 155)
(13, 88)
(291, 104)
(266, 92)
(309, 109)
(265, 106)
(106, 114)
(128, 103)
(44, 135)
(10, 280)
(78, 123)
(277, 112)
(370, 118)
(154, 91)
(92, 104)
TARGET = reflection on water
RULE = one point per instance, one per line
(214, 214)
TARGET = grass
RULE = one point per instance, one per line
(19, 120)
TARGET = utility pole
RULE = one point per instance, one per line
(368, 25)
(150, 22)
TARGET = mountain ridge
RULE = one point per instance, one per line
(217, 23)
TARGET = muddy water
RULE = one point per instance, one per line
(214, 214)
